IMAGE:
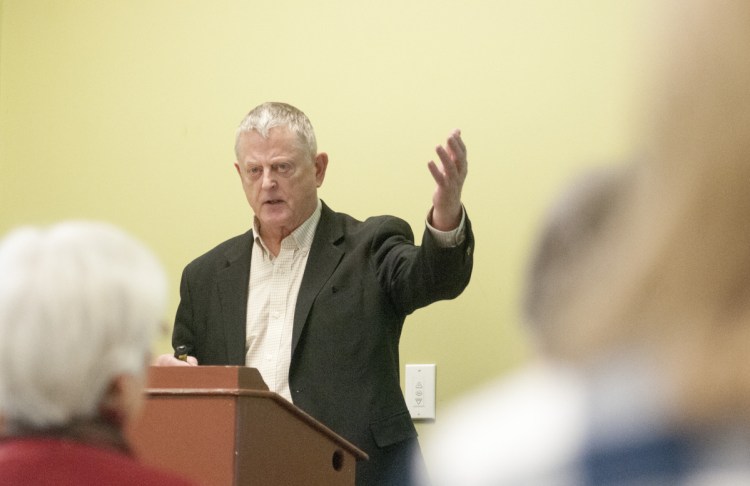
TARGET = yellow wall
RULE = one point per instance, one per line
(125, 111)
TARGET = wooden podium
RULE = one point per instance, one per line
(220, 426)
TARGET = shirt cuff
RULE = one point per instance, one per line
(452, 238)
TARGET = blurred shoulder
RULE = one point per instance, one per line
(526, 427)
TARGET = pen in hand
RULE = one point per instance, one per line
(180, 352)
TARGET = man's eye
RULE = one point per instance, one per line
(255, 171)
(283, 167)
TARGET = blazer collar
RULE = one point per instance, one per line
(232, 283)
(234, 278)
(325, 255)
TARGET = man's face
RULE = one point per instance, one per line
(280, 179)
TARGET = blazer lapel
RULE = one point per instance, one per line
(232, 282)
(324, 257)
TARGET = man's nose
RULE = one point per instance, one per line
(269, 178)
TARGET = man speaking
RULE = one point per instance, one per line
(315, 299)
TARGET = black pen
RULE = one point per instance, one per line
(180, 352)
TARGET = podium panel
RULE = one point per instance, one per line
(220, 426)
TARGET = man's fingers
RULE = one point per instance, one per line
(436, 173)
(170, 360)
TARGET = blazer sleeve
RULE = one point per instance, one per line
(416, 276)
(183, 332)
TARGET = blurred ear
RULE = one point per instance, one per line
(123, 400)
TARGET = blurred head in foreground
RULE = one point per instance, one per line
(639, 294)
(676, 283)
(79, 305)
(565, 250)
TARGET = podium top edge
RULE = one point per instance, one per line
(224, 377)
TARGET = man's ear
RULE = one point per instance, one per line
(321, 164)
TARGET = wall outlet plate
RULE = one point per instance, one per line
(420, 391)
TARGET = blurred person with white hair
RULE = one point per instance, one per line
(647, 375)
(80, 303)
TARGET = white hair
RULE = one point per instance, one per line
(269, 115)
(79, 304)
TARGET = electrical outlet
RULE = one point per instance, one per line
(420, 391)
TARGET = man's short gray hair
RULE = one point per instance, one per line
(268, 115)
(79, 304)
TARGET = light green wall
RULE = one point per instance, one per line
(125, 111)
